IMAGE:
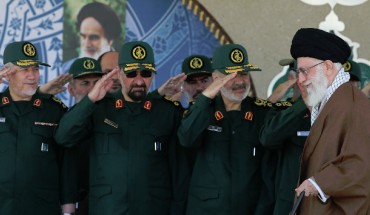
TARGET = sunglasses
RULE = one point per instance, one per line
(143, 73)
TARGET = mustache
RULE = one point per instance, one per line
(239, 86)
(30, 82)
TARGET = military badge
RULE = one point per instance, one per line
(138, 53)
(248, 116)
(147, 105)
(119, 103)
(218, 115)
(2, 119)
(347, 66)
(237, 56)
(44, 147)
(111, 123)
(196, 63)
(89, 64)
(29, 50)
(5, 100)
(37, 103)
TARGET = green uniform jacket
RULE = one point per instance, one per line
(31, 162)
(136, 164)
(285, 132)
(226, 177)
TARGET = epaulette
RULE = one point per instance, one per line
(57, 100)
(262, 102)
(176, 103)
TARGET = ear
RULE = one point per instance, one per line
(70, 89)
(329, 67)
(110, 42)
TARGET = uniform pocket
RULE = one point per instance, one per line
(204, 194)
(108, 140)
(5, 137)
(99, 191)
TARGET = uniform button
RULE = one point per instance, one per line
(233, 132)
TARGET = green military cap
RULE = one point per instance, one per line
(353, 68)
(232, 58)
(85, 66)
(22, 54)
(289, 62)
(136, 55)
(197, 64)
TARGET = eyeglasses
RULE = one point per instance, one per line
(304, 71)
(143, 73)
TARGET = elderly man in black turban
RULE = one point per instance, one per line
(335, 164)
(99, 26)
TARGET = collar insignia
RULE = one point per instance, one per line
(5, 100)
(218, 115)
(37, 102)
(119, 103)
(147, 105)
(248, 116)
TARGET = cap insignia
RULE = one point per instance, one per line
(89, 64)
(218, 115)
(236, 56)
(138, 52)
(196, 63)
(29, 50)
(147, 105)
(347, 66)
(248, 116)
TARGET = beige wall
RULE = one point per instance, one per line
(266, 27)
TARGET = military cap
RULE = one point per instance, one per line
(197, 64)
(136, 55)
(105, 15)
(22, 54)
(85, 66)
(232, 58)
(289, 62)
(353, 68)
(319, 44)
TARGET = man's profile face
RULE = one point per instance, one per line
(80, 87)
(108, 62)
(136, 84)
(195, 85)
(92, 39)
(23, 82)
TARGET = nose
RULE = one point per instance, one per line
(301, 78)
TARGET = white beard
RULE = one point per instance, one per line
(228, 93)
(317, 91)
(104, 47)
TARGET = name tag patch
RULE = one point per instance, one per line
(2, 119)
(303, 133)
(214, 128)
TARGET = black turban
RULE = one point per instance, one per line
(319, 44)
(105, 15)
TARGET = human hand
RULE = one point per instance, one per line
(308, 187)
(212, 90)
(281, 90)
(172, 86)
(56, 85)
(102, 86)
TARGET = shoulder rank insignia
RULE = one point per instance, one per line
(248, 116)
(119, 103)
(57, 100)
(176, 103)
(5, 100)
(262, 102)
(37, 103)
(218, 115)
(148, 105)
(283, 104)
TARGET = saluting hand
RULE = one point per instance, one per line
(102, 86)
(218, 82)
(5, 71)
(56, 85)
(172, 86)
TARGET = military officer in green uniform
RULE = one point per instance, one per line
(223, 125)
(136, 164)
(198, 71)
(31, 162)
(85, 73)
